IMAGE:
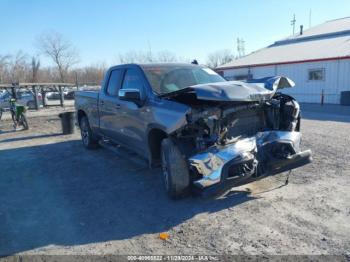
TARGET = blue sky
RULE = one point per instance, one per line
(101, 30)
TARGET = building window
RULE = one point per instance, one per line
(243, 77)
(316, 74)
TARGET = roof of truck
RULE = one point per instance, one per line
(165, 64)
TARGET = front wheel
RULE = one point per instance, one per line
(14, 118)
(175, 172)
(87, 137)
(23, 121)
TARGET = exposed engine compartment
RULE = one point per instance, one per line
(240, 139)
(221, 123)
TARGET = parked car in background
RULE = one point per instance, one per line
(55, 95)
(70, 95)
(24, 97)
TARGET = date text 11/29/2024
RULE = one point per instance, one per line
(173, 258)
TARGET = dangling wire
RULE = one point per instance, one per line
(287, 179)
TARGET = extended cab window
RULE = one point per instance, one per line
(132, 80)
(114, 82)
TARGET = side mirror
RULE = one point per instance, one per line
(130, 94)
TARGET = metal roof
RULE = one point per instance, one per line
(330, 40)
(336, 25)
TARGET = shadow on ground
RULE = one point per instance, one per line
(24, 138)
(62, 194)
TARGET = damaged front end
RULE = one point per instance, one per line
(235, 141)
(266, 153)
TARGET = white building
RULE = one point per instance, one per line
(317, 60)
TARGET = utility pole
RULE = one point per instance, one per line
(292, 23)
(240, 47)
(310, 18)
(76, 80)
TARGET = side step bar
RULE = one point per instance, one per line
(123, 152)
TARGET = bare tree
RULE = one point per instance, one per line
(219, 57)
(60, 50)
(90, 75)
(48, 74)
(18, 67)
(147, 57)
(4, 62)
(131, 57)
(35, 65)
(166, 56)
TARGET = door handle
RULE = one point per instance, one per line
(102, 103)
(117, 106)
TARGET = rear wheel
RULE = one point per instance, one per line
(1, 113)
(175, 172)
(87, 137)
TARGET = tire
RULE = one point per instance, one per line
(175, 173)
(1, 113)
(13, 116)
(23, 121)
(87, 137)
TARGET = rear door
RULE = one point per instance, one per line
(109, 107)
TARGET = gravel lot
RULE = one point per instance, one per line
(58, 198)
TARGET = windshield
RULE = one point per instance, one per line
(169, 78)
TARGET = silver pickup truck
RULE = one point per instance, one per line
(205, 132)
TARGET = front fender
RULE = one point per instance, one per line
(168, 116)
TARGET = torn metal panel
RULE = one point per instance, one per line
(238, 91)
(210, 164)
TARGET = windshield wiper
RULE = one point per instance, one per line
(177, 92)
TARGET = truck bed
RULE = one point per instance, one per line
(89, 94)
(87, 101)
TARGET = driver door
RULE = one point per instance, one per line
(133, 116)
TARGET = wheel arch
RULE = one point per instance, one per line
(80, 114)
(154, 139)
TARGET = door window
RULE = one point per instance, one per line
(114, 82)
(132, 80)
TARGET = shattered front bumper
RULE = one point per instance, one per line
(266, 153)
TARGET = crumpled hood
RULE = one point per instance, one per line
(240, 91)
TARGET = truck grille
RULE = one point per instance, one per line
(246, 123)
